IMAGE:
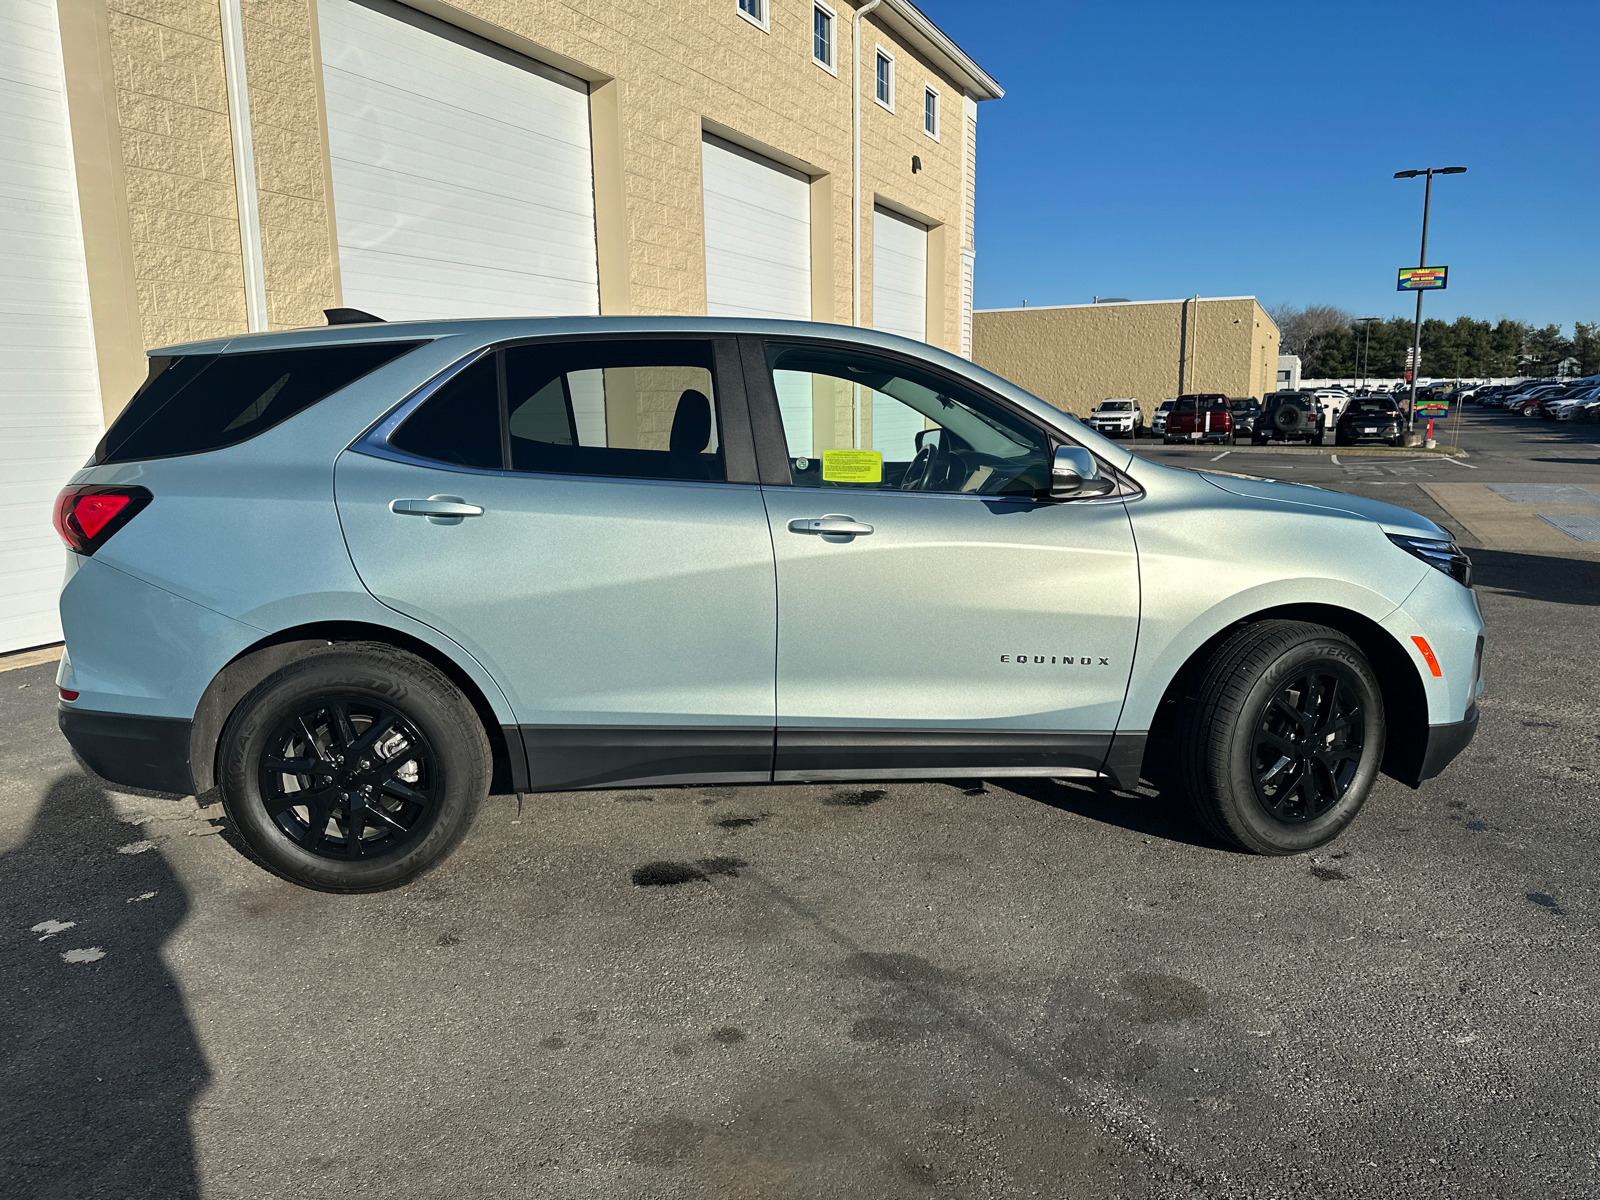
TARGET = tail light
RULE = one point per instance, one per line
(86, 517)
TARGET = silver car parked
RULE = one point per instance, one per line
(357, 577)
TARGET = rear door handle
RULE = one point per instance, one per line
(834, 523)
(441, 510)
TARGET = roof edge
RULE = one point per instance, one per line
(979, 84)
(1114, 304)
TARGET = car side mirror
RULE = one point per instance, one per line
(1074, 473)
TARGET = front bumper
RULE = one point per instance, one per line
(1445, 742)
(133, 751)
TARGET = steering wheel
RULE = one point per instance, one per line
(920, 473)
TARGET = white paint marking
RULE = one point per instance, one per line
(141, 896)
(136, 847)
(1454, 463)
(52, 927)
(1334, 458)
(1224, 454)
(91, 954)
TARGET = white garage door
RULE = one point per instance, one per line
(899, 305)
(758, 235)
(758, 253)
(463, 184)
(50, 411)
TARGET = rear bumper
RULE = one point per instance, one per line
(134, 751)
(1445, 742)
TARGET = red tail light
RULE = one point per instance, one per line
(86, 517)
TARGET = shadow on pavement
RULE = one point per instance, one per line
(1537, 576)
(1152, 815)
(100, 1063)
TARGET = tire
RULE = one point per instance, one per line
(416, 797)
(1233, 723)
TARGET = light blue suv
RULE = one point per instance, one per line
(359, 576)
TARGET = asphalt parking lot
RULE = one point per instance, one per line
(1043, 989)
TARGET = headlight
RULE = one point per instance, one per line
(1445, 555)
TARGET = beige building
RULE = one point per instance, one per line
(201, 168)
(1076, 355)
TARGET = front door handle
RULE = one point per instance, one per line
(440, 510)
(834, 524)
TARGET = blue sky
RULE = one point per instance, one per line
(1154, 150)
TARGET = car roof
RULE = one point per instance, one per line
(471, 333)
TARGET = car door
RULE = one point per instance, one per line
(583, 518)
(936, 616)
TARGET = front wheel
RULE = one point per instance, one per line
(1282, 737)
(355, 769)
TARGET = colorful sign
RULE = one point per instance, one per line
(1432, 408)
(1422, 279)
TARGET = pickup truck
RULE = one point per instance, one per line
(1200, 417)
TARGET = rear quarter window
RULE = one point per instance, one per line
(191, 404)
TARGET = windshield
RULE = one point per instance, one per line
(1373, 408)
(1116, 406)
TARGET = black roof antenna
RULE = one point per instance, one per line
(351, 316)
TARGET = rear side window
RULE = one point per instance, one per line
(640, 410)
(194, 403)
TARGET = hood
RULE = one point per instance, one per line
(1389, 517)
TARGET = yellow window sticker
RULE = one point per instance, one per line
(852, 466)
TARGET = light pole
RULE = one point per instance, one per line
(1422, 261)
(1366, 342)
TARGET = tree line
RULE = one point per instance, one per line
(1333, 344)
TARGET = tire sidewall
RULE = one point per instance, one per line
(1264, 832)
(437, 713)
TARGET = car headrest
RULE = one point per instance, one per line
(691, 424)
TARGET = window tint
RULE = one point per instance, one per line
(640, 409)
(459, 423)
(194, 403)
(855, 421)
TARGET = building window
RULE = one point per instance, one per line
(754, 11)
(822, 36)
(930, 112)
(883, 80)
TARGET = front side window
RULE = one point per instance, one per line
(884, 81)
(930, 113)
(822, 36)
(641, 410)
(855, 421)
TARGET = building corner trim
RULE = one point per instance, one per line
(107, 227)
(244, 166)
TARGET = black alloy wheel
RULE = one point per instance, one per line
(354, 768)
(1280, 736)
(1308, 746)
(348, 777)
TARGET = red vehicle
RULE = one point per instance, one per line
(1200, 417)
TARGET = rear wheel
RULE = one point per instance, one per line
(1282, 738)
(355, 769)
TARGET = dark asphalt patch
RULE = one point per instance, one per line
(1545, 901)
(739, 822)
(671, 874)
(855, 799)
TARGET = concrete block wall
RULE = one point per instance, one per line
(290, 142)
(1077, 355)
(172, 110)
(676, 65)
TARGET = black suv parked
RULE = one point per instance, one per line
(1289, 417)
(1371, 419)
